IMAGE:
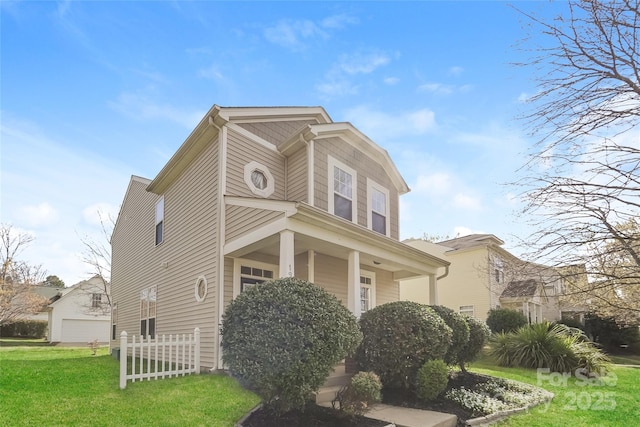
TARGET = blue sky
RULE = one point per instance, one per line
(93, 92)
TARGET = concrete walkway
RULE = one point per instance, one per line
(409, 417)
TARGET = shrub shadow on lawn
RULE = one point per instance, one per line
(23, 342)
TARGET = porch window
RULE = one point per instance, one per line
(378, 207)
(367, 291)
(342, 180)
(467, 310)
(251, 276)
(148, 298)
(160, 221)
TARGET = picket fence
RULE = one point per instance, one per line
(164, 356)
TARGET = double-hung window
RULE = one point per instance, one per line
(148, 299)
(96, 300)
(367, 291)
(342, 187)
(160, 220)
(467, 310)
(378, 207)
(114, 321)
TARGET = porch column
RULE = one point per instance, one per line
(311, 266)
(287, 261)
(433, 290)
(353, 283)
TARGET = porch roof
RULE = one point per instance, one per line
(318, 230)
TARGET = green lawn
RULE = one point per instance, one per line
(616, 402)
(57, 386)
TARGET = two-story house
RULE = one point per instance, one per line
(483, 275)
(255, 194)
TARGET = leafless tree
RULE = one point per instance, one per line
(17, 298)
(97, 255)
(581, 183)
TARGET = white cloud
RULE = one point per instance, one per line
(39, 215)
(140, 107)
(380, 125)
(460, 231)
(339, 21)
(456, 70)
(391, 81)
(293, 34)
(523, 97)
(438, 183)
(362, 62)
(334, 89)
(213, 72)
(465, 201)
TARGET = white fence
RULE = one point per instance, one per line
(165, 356)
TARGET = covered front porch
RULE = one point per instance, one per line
(357, 265)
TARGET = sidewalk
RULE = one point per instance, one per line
(408, 417)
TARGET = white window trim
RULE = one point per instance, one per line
(239, 262)
(331, 163)
(371, 184)
(148, 291)
(467, 310)
(262, 192)
(372, 288)
(159, 218)
(206, 288)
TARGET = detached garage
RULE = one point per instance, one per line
(82, 314)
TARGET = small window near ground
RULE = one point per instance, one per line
(114, 321)
(251, 276)
(467, 310)
(148, 301)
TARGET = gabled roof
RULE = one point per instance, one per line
(208, 127)
(472, 240)
(521, 288)
(350, 134)
(93, 284)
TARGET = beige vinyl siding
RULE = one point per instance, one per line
(132, 243)
(189, 250)
(331, 275)
(228, 281)
(365, 167)
(302, 266)
(387, 289)
(276, 132)
(242, 150)
(297, 176)
(241, 220)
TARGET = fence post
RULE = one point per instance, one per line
(196, 361)
(123, 360)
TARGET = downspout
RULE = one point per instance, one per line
(446, 273)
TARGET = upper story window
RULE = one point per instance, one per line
(259, 179)
(96, 300)
(160, 220)
(378, 207)
(498, 270)
(342, 190)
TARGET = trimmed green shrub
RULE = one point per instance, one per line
(478, 336)
(501, 320)
(398, 337)
(25, 329)
(283, 337)
(459, 329)
(364, 390)
(542, 345)
(432, 379)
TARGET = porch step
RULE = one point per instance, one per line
(336, 380)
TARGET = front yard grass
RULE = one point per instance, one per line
(615, 402)
(58, 386)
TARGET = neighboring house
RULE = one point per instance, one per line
(81, 314)
(51, 294)
(255, 194)
(483, 275)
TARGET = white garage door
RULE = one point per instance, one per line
(85, 330)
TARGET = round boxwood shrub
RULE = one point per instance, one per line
(478, 336)
(503, 320)
(432, 379)
(398, 337)
(282, 338)
(459, 329)
(364, 390)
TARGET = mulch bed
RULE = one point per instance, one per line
(316, 416)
